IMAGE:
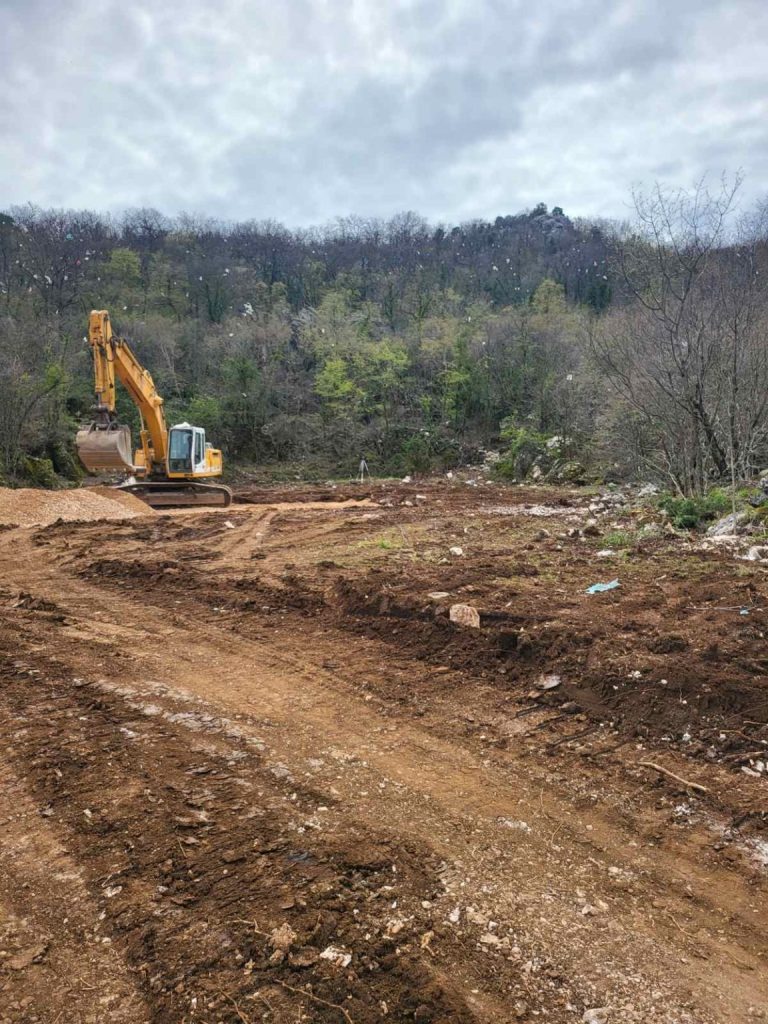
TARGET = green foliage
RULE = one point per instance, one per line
(549, 298)
(688, 513)
(65, 463)
(205, 411)
(243, 408)
(335, 387)
(759, 516)
(417, 454)
(124, 266)
(39, 472)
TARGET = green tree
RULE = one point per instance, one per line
(339, 393)
(124, 267)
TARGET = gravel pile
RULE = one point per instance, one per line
(30, 507)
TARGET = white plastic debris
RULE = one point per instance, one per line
(517, 826)
(337, 956)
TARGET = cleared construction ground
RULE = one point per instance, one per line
(251, 771)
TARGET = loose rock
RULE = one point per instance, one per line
(465, 615)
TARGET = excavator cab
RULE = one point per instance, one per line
(186, 450)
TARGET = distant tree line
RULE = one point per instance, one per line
(640, 348)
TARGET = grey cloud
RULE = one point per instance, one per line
(306, 110)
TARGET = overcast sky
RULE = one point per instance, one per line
(303, 110)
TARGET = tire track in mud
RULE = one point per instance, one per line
(195, 854)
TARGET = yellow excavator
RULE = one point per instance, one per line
(171, 465)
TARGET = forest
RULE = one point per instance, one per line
(576, 350)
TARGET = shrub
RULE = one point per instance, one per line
(424, 451)
(39, 472)
(688, 513)
(65, 463)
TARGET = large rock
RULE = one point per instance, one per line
(570, 471)
(728, 525)
(648, 491)
(757, 553)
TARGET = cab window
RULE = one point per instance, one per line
(180, 451)
(199, 448)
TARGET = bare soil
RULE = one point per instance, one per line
(251, 771)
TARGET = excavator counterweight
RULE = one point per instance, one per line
(172, 465)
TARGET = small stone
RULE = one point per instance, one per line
(465, 615)
(27, 957)
(596, 1015)
(232, 856)
(548, 681)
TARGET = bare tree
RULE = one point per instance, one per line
(686, 354)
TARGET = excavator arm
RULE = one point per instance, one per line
(105, 444)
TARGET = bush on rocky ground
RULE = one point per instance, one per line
(689, 513)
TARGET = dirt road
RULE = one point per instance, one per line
(251, 771)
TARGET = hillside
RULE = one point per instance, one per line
(635, 352)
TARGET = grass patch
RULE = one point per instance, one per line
(618, 539)
(386, 542)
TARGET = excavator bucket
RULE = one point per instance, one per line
(101, 449)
